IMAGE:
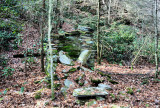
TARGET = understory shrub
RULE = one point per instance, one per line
(145, 47)
(91, 21)
(121, 44)
(4, 39)
(118, 43)
(10, 27)
(9, 9)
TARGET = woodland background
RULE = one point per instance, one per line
(51, 48)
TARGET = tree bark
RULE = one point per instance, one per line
(98, 34)
(25, 55)
(109, 11)
(50, 48)
(156, 39)
(42, 37)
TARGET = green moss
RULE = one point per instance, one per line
(65, 76)
(145, 81)
(81, 102)
(130, 91)
(36, 82)
(112, 81)
(54, 51)
(72, 70)
(48, 78)
(47, 69)
(57, 86)
(71, 50)
(73, 33)
(37, 95)
(85, 32)
(91, 103)
(156, 80)
(115, 106)
(80, 80)
(81, 84)
(103, 74)
(96, 81)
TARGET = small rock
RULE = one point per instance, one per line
(107, 87)
(85, 82)
(64, 90)
(100, 98)
(93, 102)
(69, 70)
(68, 83)
(64, 71)
(157, 102)
(85, 29)
(55, 58)
(115, 106)
(89, 42)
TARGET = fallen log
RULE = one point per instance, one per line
(28, 55)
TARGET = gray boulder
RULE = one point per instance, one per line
(84, 56)
(89, 92)
(65, 59)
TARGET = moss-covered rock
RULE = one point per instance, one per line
(72, 50)
(89, 92)
(84, 56)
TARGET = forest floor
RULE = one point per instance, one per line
(18, 90)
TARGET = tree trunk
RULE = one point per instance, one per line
(42, 37)
(50, 48)
(109, 11)
(98, 36)
(156, 40)
(25, 55)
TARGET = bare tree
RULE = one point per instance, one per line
(42, 37)
(50, 47)
(109, 11)
(156, 39)
(98, 34)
